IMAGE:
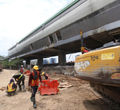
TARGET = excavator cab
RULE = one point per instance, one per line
(114, 42)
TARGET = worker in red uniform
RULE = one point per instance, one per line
(21, 69)
(34, 82)
(84, 50)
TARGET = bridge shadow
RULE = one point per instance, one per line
(99, 104)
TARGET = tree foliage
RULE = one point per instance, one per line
(13, 64)
(1, 57)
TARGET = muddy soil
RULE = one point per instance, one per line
(78, 96)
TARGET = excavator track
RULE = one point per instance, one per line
(109, 92)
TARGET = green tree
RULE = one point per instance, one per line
(13, 64)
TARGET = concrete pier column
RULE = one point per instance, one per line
(28, 65)
(62, 59)
(40, 62)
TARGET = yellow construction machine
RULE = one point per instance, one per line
(101, 67)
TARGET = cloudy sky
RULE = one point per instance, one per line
(20, 17)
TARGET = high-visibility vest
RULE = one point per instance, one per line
(20, 76)
(33, 81)
(10, 89)
(17, 79)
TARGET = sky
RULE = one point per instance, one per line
(20, 17)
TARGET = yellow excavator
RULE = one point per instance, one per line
(101, 67)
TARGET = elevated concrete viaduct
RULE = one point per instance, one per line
(98, 19)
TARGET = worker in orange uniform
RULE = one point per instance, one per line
(11, 87)
(34, 83)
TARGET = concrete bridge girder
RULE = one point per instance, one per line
(98, 28)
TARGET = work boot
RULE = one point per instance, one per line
(34, 103)
(20, 89)
(31, 98)
(23, 88)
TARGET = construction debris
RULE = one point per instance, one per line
(65, 85)
(3, 88)
(75, 94)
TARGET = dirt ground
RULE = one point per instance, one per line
(79, 96)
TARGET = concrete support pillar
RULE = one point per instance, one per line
(28, 65)
(62, 58)
(40, 62)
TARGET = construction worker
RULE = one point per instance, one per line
(20, 78)
(45, 75)
(21, 69)
(84, 50)
(34, 82)
(11, 87)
